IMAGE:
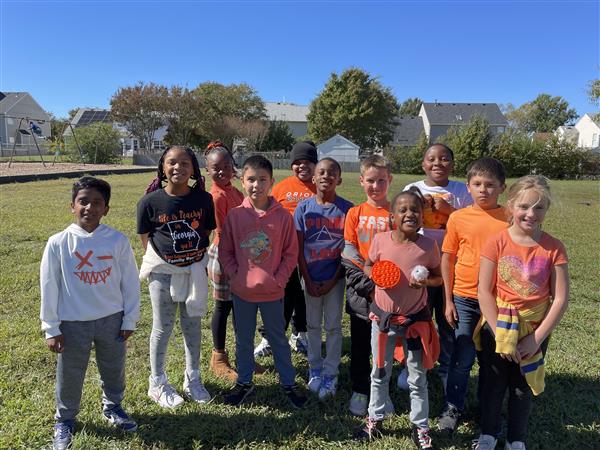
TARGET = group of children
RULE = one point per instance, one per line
(497, 288)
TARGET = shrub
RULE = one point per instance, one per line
(100, 144)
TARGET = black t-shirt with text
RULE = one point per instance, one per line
(178, 226)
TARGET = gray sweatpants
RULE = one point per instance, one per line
(73, 361)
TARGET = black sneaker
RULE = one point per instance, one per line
(448, 420)
(238, 394)
(421, 438)
(370, 431)
(295, 394)
(63, 434)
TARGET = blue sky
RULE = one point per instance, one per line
(71, 54)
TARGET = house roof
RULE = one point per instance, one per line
(286, 112)
(407, 131)
(338, 141)
(462, 113)
(9, 99)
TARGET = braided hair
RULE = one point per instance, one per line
(219, 148)
(156, 183)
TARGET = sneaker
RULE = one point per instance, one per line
(514, 445)
(358, 404)
(421, 438)
(195, 390)
(484, 442)
(238, 394)
(301, 343)
(328, 386)
(263, 349)
(165, 395)
(370, 431)
(448, 420)
(314, 380)
(295, 395)
(402, 381)
(120, 419)
(63, 435)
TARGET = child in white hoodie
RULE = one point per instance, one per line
(90, 295)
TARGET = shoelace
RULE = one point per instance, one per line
(371, 426)
(63, 432)
(424, 438)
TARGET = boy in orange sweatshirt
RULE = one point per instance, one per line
(258, 251)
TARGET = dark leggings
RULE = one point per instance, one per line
(500, 375)
(218, 324)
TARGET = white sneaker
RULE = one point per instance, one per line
(402, 381)
(514, 445)
(164, 394)
(314, 380)
(195, 390)
(263, 348)
(485, 442)
(358, 404)
(328, 386)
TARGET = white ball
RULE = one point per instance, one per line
(420, 273)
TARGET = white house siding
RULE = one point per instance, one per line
(589, 132)
(338, 148)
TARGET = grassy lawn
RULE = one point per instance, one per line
(566, 416)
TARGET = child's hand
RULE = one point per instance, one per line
(511, 357)
(450, 313)
(528, 346)
(428, 199)
(441, 205)
(417, 284)
(124, 335)
(56, 344)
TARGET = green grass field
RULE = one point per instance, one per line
(566, 416)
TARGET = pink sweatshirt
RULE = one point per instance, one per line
(258, 251)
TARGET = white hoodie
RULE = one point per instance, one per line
(87, 276)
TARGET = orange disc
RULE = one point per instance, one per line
(385, 274)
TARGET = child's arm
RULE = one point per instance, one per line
(289, 252)
(368, 267)
(447, 269)
(130, 290)
(227, 244)
(49, 290)
(144, 239)
(486, 292)
(559, 287)
(312, 288)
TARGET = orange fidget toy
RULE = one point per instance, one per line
(385, 274)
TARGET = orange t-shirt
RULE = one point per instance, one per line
(290, 191)
(523, 273)
(466, 232)
(224, 199)
(362, 223)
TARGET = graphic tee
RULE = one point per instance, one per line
(362, 223)
(323, 230)
(178, 226)
(290, 191)
(454, 193)
(523, 273)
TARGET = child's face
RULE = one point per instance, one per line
(485, 190)
(437, 164)
(177, 166)
(528, 211)
(407, 214)
(89, 207)
(376, 181)
(303, 169)
(220, 168)
(257, 183)
(327, 177)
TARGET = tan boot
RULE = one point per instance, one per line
(219, 364)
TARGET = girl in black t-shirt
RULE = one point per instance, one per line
(174, 223)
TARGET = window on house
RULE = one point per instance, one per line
(501, 130)
(156, 144)
(595, 140)
(458, 117)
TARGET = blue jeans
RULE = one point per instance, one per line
(274, 324)
(463, 355)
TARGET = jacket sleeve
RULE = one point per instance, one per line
(289, 252)
(130, 287)
(49, 289)
(227, 248)
(355, 277)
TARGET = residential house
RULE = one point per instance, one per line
(438, 118)
(407, 131)
(588, 131)
(20, 110)
(339, 148)
(567, 133)
(293, 115)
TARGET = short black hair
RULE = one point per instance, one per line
(487, 166)
(444, 146)
(331, 160)
(414, 192)
(258, 162)
(91, 183)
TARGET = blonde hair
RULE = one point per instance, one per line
(537, 183)
(377, 161)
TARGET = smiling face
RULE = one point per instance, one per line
(303, 169)
(257, 183)
(89, 207)
(407, 214)
(220, 168)
(375, 181)
(438, 165)
(485, 190)
(528, 211)
(177, 166)
(327, 176)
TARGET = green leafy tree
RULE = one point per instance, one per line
(468, 142)
(355, 105)
(100, 144)
(594, 95)
(184, 115)
(517, 151)
(408, 159)
(410, 107)
(544, 114)
(278, 137)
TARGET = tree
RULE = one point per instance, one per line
(544, 114)
(279, 137)
(100, 144)
(142, 109)
(468, 142)
(184, 115)
(408, 159)
(410, 107)
(355, 105)
(594, 95)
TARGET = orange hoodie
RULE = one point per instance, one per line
(258, 251)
